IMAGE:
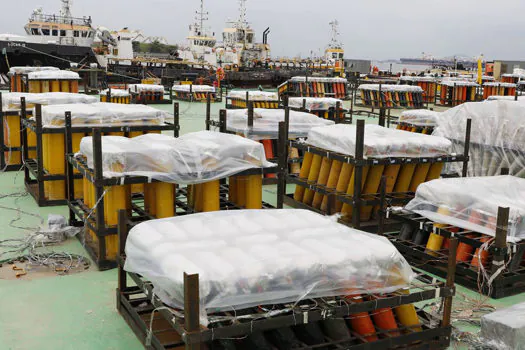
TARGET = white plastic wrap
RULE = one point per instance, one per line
(246, 258)
(102, 114)
(504, 329)
(504, 98)
(452, 83)
(418, 79)
(318, 80)
(488, 78)
(194, 88)
(190, 159)
(472, 203)
(419, 117)
(379, 142)
(390, 88)
(497, 136)
(314, 103)
(498, 84)
(145, 88)
(53, 75)
(27, 70)
(115, 93)
(11, 100)
(266, 123)
(254, 95)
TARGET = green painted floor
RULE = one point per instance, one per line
(78, 311)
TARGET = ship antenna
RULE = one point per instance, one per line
(65, 11)
(242, 14)
(201, 17)
(334, 43)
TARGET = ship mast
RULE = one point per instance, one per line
(65, 10)
(242, 23)
(335, 43)
(199, 20)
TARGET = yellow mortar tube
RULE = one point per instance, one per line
(312, 177)
(211, 196)
(303, 174)
(322, 180)
(331, 184)
(254, 192)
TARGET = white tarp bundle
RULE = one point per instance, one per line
(27, 70)
(379, 142)
(11, 100)
(102, 114)
(115, 93)
(266, 123)
(504, 98)
(246, 258)
(497, 136)
(419, 117)
(472, 203)
(318, 80)
(53, 75)
(139, 88)
(418, 79)
(194, 88)
(498, 84)
(254, 95)
(314, 103)
(390, 88)
(190, 159)
(451, 83)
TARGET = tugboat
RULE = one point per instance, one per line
(51, 40)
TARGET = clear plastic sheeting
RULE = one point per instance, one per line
(102, 114)
(314, 103)
(419, 117)
(452, 83)
(254, 95)
(194, 88)
(246, 258)
(472, 203)
(145, 88)
(379, 142)
(497, 136)
(115, 93)
(390, 88)
(190, 159)
(266, 123)
(504, 329)
(418, 79)
(498, 84)
(27, 70)
(11, 100)
(53, 75)
(504, 98)
(318, 80)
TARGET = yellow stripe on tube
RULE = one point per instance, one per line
(434, 172)
(150, 198)
(324, 173)
(373, 180)
(420, 176)
(55, 86)
(342, 183)
(114, 200)
(312, 177)
(347, 209)
(254, 192)
(57, 166)
(331, 184)
(407, 315)
(404, 178)
(210, 196)
(303, 174)
(165, 199)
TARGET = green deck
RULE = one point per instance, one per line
(78, 311)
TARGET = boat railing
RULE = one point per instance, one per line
(84, 21)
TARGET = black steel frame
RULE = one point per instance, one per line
(34, 173)
(138, 98)
(133, 301)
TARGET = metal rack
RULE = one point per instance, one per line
(34, 173)
(242, 103)
(189, 96)
(358, 200)
(81, 215)
(510, 281)
(171, 328)
(142, 98)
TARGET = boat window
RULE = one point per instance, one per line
(334, 55)
(90, 34)
(84, 34)
(45, 31)
(76, 33)
(55, 32)
(34, 31)
(62, 33)
(249, 38)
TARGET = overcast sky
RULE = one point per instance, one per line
(374, 29)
